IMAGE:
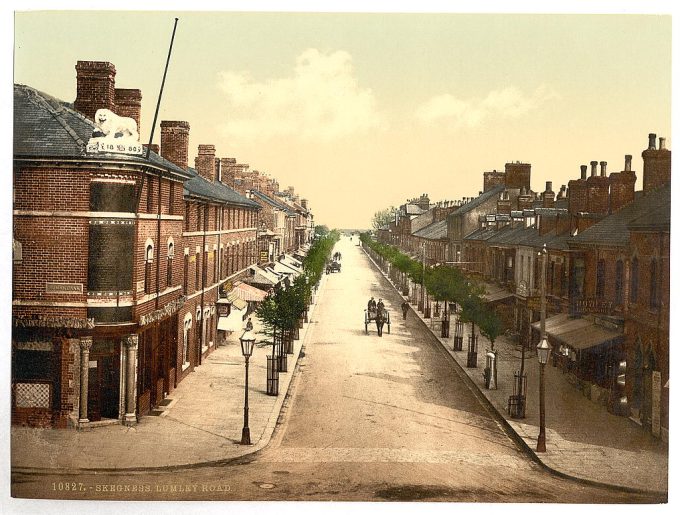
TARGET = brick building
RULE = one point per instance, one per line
(102, 280)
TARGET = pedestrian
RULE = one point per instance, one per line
(249, 324)
(404, 308)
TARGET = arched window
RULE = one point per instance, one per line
(148, 261)
(171, 256)
(653, 285)
(634, 281)
(185, 341)
(618, 287)
(601, 275)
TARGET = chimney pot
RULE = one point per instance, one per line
(603, 168)
(652, 141)
(662, 143)
(629, 160)
(584, 172)
(593, 168)
(548, 185)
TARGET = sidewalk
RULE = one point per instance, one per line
(201, 424)
(583, 440)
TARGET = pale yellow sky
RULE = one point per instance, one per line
(361, 111)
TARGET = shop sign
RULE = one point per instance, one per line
(64, 288)
(169, 309)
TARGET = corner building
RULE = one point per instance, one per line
(102, 277)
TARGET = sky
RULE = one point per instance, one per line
(361, 111)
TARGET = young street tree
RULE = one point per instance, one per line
(383, 217)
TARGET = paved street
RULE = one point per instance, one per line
(368, 418)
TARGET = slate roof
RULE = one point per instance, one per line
(198, 186)
(479, 200)
(613, 229)
(45, 126)
(274, 203)
(412, 209)
(481, 234)
(433, 231)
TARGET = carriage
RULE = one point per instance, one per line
(380, 318)
(332, 267)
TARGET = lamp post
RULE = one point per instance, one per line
(422, 281)
(247, 345)
(543, 351)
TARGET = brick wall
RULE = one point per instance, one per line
(95, 87)
(518, 176)
(175, 142)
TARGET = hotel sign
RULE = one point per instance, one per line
(593, 305)
(54, 321)
(156, 316)
(104, 145)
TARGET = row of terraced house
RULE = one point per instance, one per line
(129, 268)
(607, 270)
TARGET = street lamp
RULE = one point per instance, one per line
(543, 351)
(247, 345)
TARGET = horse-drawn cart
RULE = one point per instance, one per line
(380, 317)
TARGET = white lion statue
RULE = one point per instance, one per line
(113, 126)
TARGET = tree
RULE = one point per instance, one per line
(383, 218)
(321, 230)
(490, 325)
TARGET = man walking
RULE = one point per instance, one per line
(404, 308)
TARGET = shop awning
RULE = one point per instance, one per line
(234, 300)
(577, 333)
(248, 293)
(495, 293)
(264, 276)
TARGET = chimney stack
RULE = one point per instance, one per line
(598, 190)
(175, 142)
(578, 193)
(517, 175)
(95, 87)
(603, 168)
(205, 162)
(656, 170)
(154, 147)
(503, 205)
(621, 187)
(548, 195)
(129, 104)
(228, 167)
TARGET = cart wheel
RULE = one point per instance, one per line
(388, 328)
(366, 328)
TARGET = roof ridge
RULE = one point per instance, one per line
(37, 99)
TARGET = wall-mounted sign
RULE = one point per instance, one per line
(64, 288)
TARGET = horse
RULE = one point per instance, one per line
(380, 320)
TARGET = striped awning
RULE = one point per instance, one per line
(248, 293)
